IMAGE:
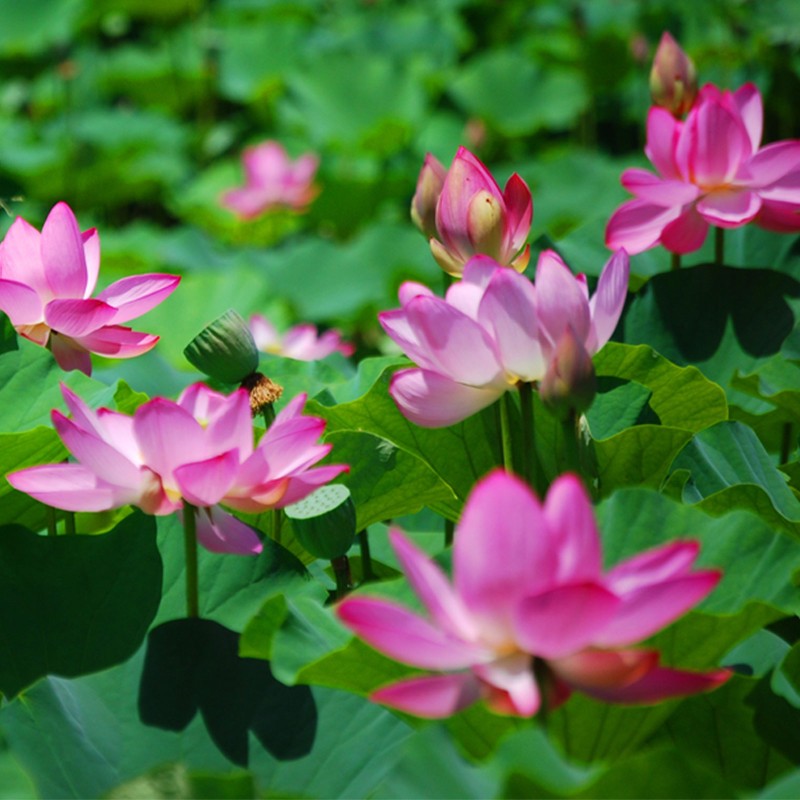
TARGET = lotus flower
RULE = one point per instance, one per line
(711, 171)
(530, 616)
(493, 330)
(198, 449)
(673, 80)
(473, 216)
(46, 282)
(273, 180)
(301, 342)
(426, 198)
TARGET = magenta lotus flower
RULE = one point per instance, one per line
(711, 171)
(273, 180)
(530, 615)
(198, 449)
(302, 342)
(473, 216)
(493, 330)
(46, 282)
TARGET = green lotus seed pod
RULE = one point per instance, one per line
(225, 349)
(325, 521)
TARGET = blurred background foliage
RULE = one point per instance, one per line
(136, 111)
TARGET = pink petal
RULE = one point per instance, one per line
(265, 163)
(265, 335)
(519, 206)
(653, 566)
(230, 427)
(292, 409)
(608, 300)
(661, 684)
(466, 294)
(774, 162)
(729, 208)
(404, 636)
(513, 683)
(431, 697)
(117, 341)
(659, 192)
(714, 145)
(249, 203)
(637, 226)
(69, 354)
(563, 620)
(21, 259)
(433, 588)
(431, 400)
(137, 294)
(76, 318)
(91, 253)
(779, 217)
(747, 100)
(662, 134)
(63, 257)
(205, 483)
(686, 233)
(221, 532)
(302, 485)
(20, 303)
(594, 671)
(560, 299)
(411, 289)
(399, 329)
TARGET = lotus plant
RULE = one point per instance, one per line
(472, 214)
(46, 283)
(673, 79)
(198, 449)
(494, 330)
(530, 615)
(711, 170)
(273, 180)
(301, 342)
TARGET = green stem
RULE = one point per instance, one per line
(268, 412)
(449, 530)
(366, 557)
(276, 524)
(505, 433)
(69, 523)
(190, 551)
(50, 513)
(530, 462)
(675, 261)
(341, 570)
(719, 246)
(447, 281)
(786, 441)
(571, 455)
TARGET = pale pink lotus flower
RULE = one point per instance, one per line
(673, 79)
(426, 197)
(301, 342)
(530, 615)
(273, 180)
(493, 330)
(46, 282)
(474, 217)
(198, 449)
(711, 171)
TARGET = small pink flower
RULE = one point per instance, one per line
(711, 171)
(492, 330)
(673, 79)
(473, 216)
(46, 282)
(530, 615)
(273, 180)
(302, 342)
(198, 449)
(426, 197)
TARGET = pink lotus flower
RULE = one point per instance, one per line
(301, 342)
(473, 216)
(493, 330)
(273, 180)
(46, 280)
(711, 171)
(530, 615)
(426, 197)
(198, 449)
(673, 79)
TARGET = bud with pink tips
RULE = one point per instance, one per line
(673, 79)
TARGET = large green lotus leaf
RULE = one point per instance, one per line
(752, 314)
(15, 783)
(35, 27)
(788, 785)
(75, 604)
(730, 468)
(516, 96)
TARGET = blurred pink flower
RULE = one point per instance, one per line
(273, 180)
(199, 449)
(711, 171)
(530, 615)
(473, 216)
(301, 342)
(673, 79)
(492, 330)
(46, 280)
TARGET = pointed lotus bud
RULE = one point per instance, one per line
(673, 79)
(569, 384)
(429, 187)
(225, 349)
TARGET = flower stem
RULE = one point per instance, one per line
(341, 570)
(51, 521)
(786, 441)
(449, 530)
(69, 523)
(366, 557)
(571, 453)
(268, 412)
(276, 524)
(719, 246)
(675, 261)
(529, 460)
(505, 433)
(190, 551)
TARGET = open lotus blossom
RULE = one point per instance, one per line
(493, 330)
(302, 342)
(273, 180)
(711, 171)
(473, 216)
(46, 282)
(530, 614)
(198, 449)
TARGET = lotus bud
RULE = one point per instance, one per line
(429, 187)
(673, 79)
(225, 349)
(569, 384)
